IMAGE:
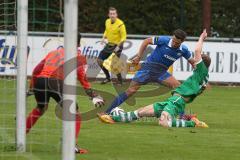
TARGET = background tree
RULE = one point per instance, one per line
(140, 16)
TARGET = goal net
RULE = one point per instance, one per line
(8, 43)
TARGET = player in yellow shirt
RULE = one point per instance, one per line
(115, 34)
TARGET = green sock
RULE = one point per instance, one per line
(190, 123)
(126, 117)
(116, 118)
(182, 123)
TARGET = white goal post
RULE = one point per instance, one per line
(70, 45)
(22, 34)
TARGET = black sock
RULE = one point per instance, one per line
(119, 77)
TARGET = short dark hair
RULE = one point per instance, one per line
(206, 59)
(112, 9)
(79, 36)
(180, 34)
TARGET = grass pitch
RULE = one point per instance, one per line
(141, 140)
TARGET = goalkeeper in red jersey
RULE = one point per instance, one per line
(47, 82)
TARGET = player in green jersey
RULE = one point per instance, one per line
(167, 111)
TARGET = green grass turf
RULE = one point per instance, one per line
(140, 140)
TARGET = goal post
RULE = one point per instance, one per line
(22, 34)
(70, 45)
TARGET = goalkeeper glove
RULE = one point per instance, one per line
(98, 101)
(29, 92)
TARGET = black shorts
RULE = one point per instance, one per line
(45, 88)
(108, 50)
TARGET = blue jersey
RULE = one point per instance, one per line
(165, 54)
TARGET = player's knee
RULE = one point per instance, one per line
(165, 119)
(42, 108)
(141, 112)
(175, 84)
(131, 91)
(99, 61)
(78, 117)
(163, 123)
(77, 108)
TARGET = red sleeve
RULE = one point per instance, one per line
(38, 68)
(81, 74)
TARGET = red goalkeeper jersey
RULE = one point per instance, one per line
(52, 67)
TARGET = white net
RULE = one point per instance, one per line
(8, 14)
(8, 60)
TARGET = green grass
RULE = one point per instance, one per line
(140, 140)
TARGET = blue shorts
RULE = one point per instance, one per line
(151, 73)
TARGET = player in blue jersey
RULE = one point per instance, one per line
(154, 69)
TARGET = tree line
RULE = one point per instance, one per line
(140, 16)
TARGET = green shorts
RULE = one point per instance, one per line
(173, 105)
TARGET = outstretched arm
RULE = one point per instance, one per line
(199, 45)
(142, 48)
(82, 77)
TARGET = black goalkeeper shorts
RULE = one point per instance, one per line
(44, 88)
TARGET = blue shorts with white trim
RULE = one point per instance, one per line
(151, 72)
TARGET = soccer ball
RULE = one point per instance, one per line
(117, 111)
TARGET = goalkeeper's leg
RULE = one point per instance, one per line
(78, 149)
(34, 115)
(42, 98)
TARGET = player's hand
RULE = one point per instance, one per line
(136, 59)
(116, 50)
(98, 101)
(204, 34)
(30, 89)
(29, 92)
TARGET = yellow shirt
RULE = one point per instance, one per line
(116, 32)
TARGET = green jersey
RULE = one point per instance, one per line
(195, 84)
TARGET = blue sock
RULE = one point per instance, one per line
(117, 101)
